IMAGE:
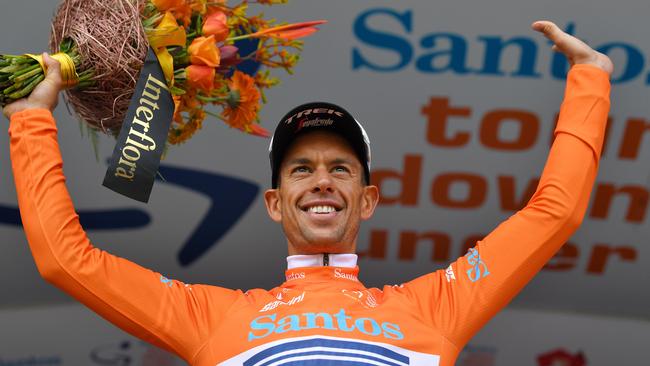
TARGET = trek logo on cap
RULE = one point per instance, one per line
(309, 111)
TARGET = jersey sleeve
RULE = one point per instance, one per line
(167, 313)
(462, 298)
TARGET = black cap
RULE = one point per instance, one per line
(318, 116)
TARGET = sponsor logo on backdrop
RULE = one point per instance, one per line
(229, 198)
(561, 357)
(389, 40)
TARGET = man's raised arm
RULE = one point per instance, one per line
(475, 287)
(142, 302)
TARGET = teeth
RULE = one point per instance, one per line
(322, 209)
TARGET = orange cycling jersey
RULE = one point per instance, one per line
(320, 315)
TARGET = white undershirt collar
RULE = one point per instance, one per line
(318, 260)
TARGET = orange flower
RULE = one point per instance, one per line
(244, 101)
(182, 9)
(204, 51)
(215, 24)
(200, 77)
(164, 5)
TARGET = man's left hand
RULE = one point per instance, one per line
(574, 49)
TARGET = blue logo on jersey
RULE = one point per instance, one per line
(322, 351)
(229, 199)
(479, 269)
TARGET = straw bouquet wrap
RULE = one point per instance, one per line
(102, 45)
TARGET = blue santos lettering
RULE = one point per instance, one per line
(386, 45)
(166, 281)
(265, 325)
(479, 268)
(262, 323)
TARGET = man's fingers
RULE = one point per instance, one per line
(573, 48)
(549, 29)
(553, 33)
(53, 72)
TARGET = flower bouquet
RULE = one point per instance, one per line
(207, 52)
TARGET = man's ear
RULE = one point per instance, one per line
(369, 201)
(272, 201)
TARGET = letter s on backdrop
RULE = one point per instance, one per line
(379, 39)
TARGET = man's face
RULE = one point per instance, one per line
(321, 199)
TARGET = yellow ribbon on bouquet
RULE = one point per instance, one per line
(69, 74)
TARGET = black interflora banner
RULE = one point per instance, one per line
(141, 141)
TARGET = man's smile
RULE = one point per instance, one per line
(321, 209)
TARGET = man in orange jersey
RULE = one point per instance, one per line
(322, 314)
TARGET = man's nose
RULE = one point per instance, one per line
(324, 182)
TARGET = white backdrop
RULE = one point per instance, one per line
(478, 64)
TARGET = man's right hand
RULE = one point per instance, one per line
(46, 93)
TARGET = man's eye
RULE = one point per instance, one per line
(300, 169)
(341, 169)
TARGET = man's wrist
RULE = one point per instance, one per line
(32, 111)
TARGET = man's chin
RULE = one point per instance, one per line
(325, 244)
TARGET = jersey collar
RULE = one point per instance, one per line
(320, 260)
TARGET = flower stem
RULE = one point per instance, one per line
(28, 88)
(211, 99)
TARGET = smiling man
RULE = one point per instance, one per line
(322, 314)
(320, 174)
